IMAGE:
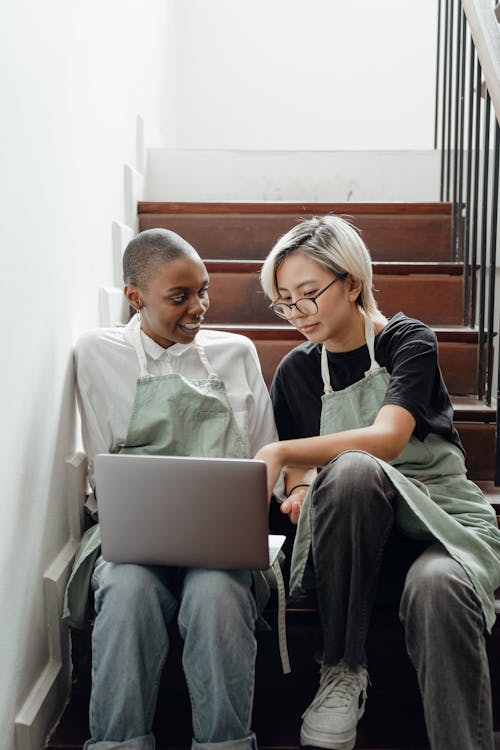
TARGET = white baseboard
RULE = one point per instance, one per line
(76, 490)
(47, 698)
(122, 234)
(48, 695)
(113, 307)
(41, 709)
(134, 189)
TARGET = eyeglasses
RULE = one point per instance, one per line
(304, 305)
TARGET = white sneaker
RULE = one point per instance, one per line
(332, 718)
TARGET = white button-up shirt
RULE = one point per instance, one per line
(107, 370)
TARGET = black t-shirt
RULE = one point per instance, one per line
(408, 350)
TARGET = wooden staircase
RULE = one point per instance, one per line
(410, 246)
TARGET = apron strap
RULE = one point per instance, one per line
(282, 640)
(212, 375)
(135, 335)
(370, 343)
(325, 372)
(136, 338)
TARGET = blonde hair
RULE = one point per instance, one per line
(335, 244)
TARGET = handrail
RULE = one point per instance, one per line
(468, 119)
(485, 32)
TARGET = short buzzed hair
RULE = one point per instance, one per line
(149, 248)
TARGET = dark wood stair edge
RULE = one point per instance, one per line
(395, 268)
(271, 331)
(470, 409)
(225, 207)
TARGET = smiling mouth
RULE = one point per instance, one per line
(192, 326)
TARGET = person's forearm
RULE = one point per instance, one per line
(318, 451)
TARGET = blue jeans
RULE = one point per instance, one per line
(357, 557)
(216, 615)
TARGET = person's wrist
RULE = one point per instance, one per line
(296, 487)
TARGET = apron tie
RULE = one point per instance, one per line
(282, 639)
(370, 343)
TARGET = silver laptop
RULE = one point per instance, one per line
(193, 512)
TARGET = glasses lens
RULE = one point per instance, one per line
(306, 306)
(282, 311)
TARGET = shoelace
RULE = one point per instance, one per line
(337, 689)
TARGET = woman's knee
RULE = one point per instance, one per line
(219, 594)
(128, 588)
(353, 479)
(435, 586)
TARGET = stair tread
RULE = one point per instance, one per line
(470, 409)
(463, 334)
(491, 491)
(216, 265)
(276, 723)
(217, 207)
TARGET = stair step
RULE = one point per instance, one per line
(435, 298)
(470, 409)
(379, 267)
(277, 724)
(284, 331)
(457, 350)
(249, 230)
(393, 718)
(478, 440)
(492, 493)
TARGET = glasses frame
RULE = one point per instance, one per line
(296, 304)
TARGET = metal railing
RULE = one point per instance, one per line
(468, 134)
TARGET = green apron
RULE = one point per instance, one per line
(436, 500)
(171, 416)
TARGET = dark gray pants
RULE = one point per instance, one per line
(352, 537)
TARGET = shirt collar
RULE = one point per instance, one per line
(151, 347)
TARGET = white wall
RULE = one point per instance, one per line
(329, 176)
(321, 74)
(74, 76)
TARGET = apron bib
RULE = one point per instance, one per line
(172, 416)
(436, 501)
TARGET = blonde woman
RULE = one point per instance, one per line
(390, 508)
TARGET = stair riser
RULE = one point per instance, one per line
(435, 299)
(479, 444)
(457, 362)
(233, 235)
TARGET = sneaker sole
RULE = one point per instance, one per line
(341, 741)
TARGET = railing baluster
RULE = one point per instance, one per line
(468, 192)
(445, 102)
(460, 176)
(438, 63)
(450, 90)
(484, 225)
(475, 209)
(493, 261)
(456, 127)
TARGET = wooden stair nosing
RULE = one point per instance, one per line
(471, 409)
(395, 268)
(284, 207)
(285, 332)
